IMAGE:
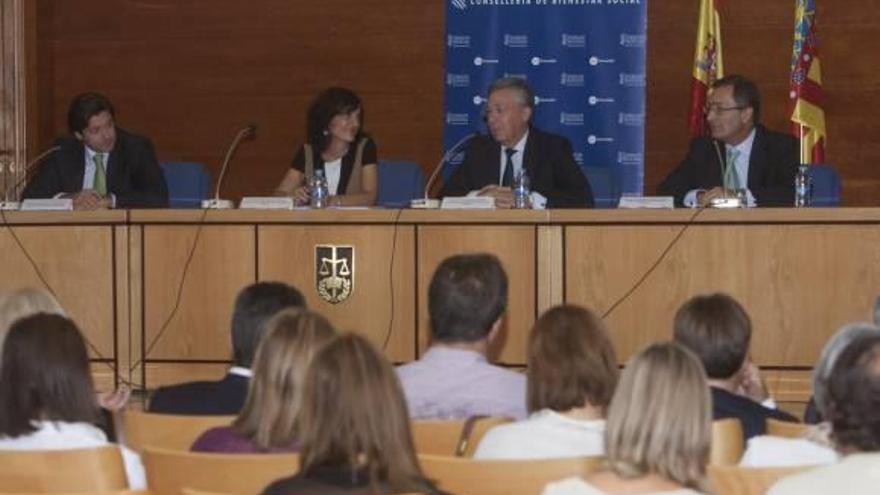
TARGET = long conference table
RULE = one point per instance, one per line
(153, 290)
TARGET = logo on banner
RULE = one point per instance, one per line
(579, 157)
(632, 80)
(478, 61)
(631, 119)
(572, 80)
(595, 100)
(630, 159)
(516, 40)
(457, 119)
(593, 139)
(574, 40)
(458, 80)
(458, 41)
(633, 40)
(594, 60)
(571, 118)
(536, 61)
(459, 4)
(334, 272)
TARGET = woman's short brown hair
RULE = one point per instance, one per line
(571, 361)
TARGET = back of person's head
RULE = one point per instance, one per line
(44, 375)
(467, 295)
(254, 306)
(835, 345)
(660, 418)
(354, 416)
(83, 107)
(293, 336)
(25, 302)
(571, 362)
(854, 396)
(718, 330)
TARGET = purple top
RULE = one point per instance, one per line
(226, 440)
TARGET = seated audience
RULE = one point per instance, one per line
(816, 446)
(336, 145)
(355, 435)
(467, 299)
(254, 306)
(718, 330)
(47, 400)
(852, 404)
(572, 372)
(658, 432)
(268, 420)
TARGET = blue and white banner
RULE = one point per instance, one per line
(585, 60)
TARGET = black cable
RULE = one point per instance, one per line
(391, 279)
(654, 266)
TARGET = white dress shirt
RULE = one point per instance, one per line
(744, 154)
(332, 171)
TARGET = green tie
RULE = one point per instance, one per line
(100, 183)
(731, 176)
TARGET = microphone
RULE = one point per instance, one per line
(425, 202)
(14, 205)
(248, 131)
(725, 201)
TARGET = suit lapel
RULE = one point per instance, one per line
(77, 169)
(114, 162)
(493, 170)
(530, 153)
(758, 158)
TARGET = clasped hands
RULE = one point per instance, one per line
(704, 198)
(89, 199)
(503, 195)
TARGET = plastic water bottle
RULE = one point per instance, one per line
(802, 187)
(521, 189)
(318, 190)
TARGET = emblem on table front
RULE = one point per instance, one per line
(334, 272)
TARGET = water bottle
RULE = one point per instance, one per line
(802, 187)
(521, 189)
(318, 190)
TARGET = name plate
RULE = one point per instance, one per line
(60, 204)
(266, 203)
(654, 202)
(468, 203)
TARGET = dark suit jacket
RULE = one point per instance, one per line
(224, 397)
(772, 167)
(547, 158)
(752, 415)
(133, 174)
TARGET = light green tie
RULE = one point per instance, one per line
(100, 182)
(731, 176)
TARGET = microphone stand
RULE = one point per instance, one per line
(224, 204)
(426, 202)
(8, 205)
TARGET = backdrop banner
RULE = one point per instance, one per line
(585, 60)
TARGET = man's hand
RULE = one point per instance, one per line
(503, 195)
(751, 382)
(115, 400)
(301, 196)
(705, 198)
(88, 199)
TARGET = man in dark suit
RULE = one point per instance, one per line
(718, 330)
(741, 155)
(100, 165)
(255, 305)
(490, 164)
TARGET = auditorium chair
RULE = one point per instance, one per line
(399, 182)
(188, 184)
(170, 471)
(786, 429)
(455, 437)
(604, 185)
(733, 480)
(826, 185)
(98, 469)
(167, 431)
(727, 442)
(502, 477)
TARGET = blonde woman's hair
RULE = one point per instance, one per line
(22, 303)
(269, 415)
(660, 418)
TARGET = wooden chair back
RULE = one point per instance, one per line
(455, 437)
(727, 442)
(733, 480)
(166, 431)
(98, 492)
(170, 471)
(785, 429)
(464, 476)
(53, 471)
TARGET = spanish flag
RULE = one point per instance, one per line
(807, 114)
(708, 64)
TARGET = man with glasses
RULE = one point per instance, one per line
(491, 164)
(741, 159)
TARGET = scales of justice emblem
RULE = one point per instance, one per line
(334, 272)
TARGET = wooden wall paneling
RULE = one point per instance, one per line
(382, 305)
(551, 267)
(129, 297)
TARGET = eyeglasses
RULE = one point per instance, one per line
(719, 109)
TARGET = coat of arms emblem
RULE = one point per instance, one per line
(334, 272)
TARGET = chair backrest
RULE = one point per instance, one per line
(732, 480)
(167, 431)
(483, 477)
(399, 182)
(727, 442)
(188, 184)
(52, 471)
(91, 492)
(826, 185)
(170, 471)
(786, 429)
(454, 437)
(604, 185)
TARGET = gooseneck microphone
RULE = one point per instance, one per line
(426, 202)
(248, 131)
(6, 204)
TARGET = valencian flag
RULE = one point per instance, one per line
(807, 115)
(708, 64)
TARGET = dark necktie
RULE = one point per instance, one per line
(507, 178)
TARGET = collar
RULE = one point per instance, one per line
(745, 147)
(520, 145)
(90, 154)
(444, 353)
(240, 371)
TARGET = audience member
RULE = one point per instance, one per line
(718, 330)
(467, 299)
(268, 420)
(852, 404)
(355, 433)
(47, 400)
(659, 429)
(572, 372)
(254, 306)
